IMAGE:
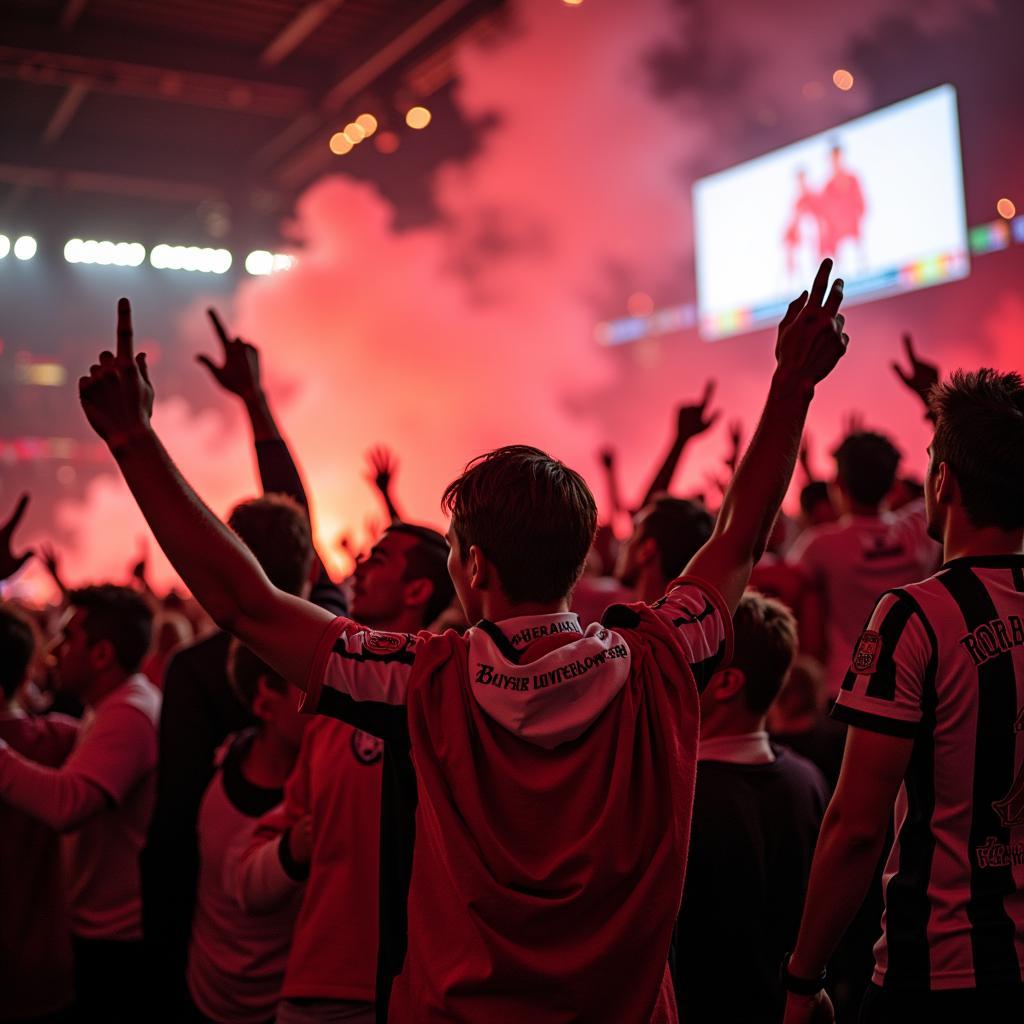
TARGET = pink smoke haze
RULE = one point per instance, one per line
(447, 340)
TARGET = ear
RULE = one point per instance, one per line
(418, 592)
(101, 655)
(946, 490)
(478, 569)
(264, 700)
(647, 551)
(726, 685)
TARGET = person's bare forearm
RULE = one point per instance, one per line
(261, 419)
(829, 908)
(755, 494)
(663, 477)
(214, 564)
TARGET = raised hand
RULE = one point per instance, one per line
(383, 466)
(692, 420)
(853, 423)
(240, 371)
(117, 396)
(10, 563)
(922, 376)
(811, 339)
(607, 457)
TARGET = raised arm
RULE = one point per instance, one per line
(383, 465)
(921, 377)
(607, 457)
(810, 343)
(10, 563)
(691, 420)
(221, 572)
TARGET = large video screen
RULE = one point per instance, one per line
(882, 195)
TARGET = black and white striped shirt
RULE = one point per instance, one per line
(942, 662)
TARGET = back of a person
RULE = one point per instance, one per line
(236, 959)
(852, 562)
(954, 916)
(334, 947)
(543, 857)
(752, 839)
(104, 888)
(35, 941)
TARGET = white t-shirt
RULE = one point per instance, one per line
(851, 562)
(117, 750)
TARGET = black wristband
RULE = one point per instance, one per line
(800, 986)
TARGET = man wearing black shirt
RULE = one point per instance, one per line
(756, 815)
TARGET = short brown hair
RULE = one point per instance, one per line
(979, 434)
(765, 646)
(118, 615)
(275, 528)
(532, 516)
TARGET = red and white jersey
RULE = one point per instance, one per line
(555, 770)
(851, 562)
(942, 662)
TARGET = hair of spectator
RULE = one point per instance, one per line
(866, 464)
(428, 560)
(275, 528)
(17, 648)
(812, 495)
(245, 670)
(680, 528)
(766, 645)
(118, 615)
(531, 516)
(979, 434)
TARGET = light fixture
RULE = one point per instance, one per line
(260, 262)
(191, 258)
(25, 247)
(417, 117)
(104, 253)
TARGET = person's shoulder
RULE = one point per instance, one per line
(138, 694)
(801, 770)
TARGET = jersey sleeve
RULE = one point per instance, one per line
(883, 687)
(700, 623)
(359, 664)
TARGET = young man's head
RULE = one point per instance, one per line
(275, 528)
(816, 507)
(522, 524)
(403, 584)
(272, 702)
(106, 634)
(738, 697)
(866, 465)
(975, 476)
(17, 649)
(667, 533)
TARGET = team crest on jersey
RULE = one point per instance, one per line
(865, 655)
(368, 749)
(385, 643)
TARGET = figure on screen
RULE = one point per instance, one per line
(841, 211)
(802, 239)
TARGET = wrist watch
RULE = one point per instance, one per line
(797, 985)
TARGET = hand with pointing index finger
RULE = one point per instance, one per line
(811, 338)
(117, 396)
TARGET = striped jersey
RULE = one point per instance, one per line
(942, 662)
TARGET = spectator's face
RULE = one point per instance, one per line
(378, 589)
(76, 656)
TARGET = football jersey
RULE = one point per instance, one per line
(942, 662)
(555, 772)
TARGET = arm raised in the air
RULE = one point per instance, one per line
(810, 343)
(216, 566)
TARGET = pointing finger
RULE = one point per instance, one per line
(820, 283)
(709, 392)
(124, 331)
(19, 511)
(835, 297)
(218, 326)
(908, 347)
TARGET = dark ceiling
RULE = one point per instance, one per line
(196, 122)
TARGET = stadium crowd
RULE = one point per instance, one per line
(736, 766)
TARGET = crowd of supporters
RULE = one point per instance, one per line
(723, 765)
